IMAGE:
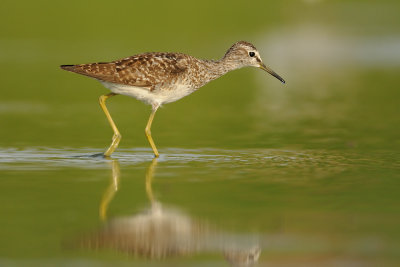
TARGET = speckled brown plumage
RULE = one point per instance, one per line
(145, 70)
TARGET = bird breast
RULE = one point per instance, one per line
(158, 96)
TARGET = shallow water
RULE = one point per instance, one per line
(65, 206)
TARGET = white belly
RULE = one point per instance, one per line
(157, 97)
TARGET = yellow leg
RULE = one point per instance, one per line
(117, 136)
(148, 131)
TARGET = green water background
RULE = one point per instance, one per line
(311, 166)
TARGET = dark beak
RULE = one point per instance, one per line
(273, 73)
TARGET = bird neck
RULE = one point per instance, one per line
(216, 69)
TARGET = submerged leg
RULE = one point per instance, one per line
(147, 130)
(110, 191)
(117, 136)
(149, 177)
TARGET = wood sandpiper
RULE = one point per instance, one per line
(160, 78)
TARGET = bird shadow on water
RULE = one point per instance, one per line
(161, 232)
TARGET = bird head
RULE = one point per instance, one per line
(244, 54)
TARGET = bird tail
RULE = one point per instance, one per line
(68, 67)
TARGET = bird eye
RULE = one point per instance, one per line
(252, 54)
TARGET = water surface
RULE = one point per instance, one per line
(286, 206)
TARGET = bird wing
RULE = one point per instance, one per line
(149, 70)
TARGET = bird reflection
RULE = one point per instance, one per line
(161, 232)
